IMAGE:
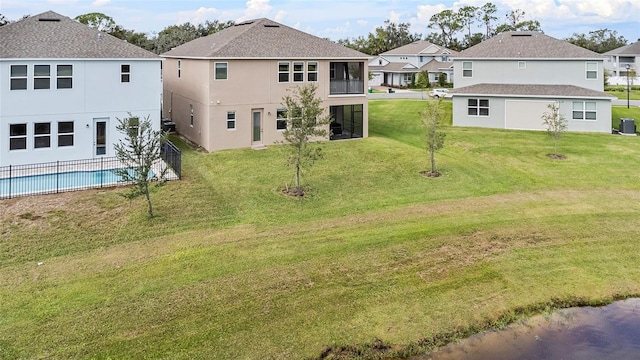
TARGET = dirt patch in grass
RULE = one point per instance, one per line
(557, 156)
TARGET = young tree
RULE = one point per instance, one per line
(139, 152)
(431, 119)
(422, 82)
(556, 124)
(306, 122)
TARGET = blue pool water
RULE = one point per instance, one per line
(51, 183)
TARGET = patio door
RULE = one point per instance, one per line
(100, 136)
(256, 118)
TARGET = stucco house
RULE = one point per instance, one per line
(63, 85)
(397, 67)
(509, 80)
(226, 90)
(618, 60)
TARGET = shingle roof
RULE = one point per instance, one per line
(526, 45)
(530, 90)
(631, 49)
(262, 38)
(53, 36)
(419, 47)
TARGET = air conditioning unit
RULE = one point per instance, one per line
(627, 126)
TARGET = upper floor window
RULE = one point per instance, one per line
(18, 77)
(592, 70)
(220, 71)
(312, 71)
(584, 110)
(281, 119)
(65, 133)
(298, 71)
(231, 120)
(41, 76)
(179, 69)
(64, 77)
(478, 107)
(283, 72)
(17, 136)
(41, 135)
(125, 73)
(467, 69)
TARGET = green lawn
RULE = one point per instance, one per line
(620, 91)
(230, 268)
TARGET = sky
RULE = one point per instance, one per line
(341, 19)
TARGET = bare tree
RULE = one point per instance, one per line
(556, 125)
(432, 119)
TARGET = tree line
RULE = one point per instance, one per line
(454, 29)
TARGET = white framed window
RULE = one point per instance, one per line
(64, 79)
(283, 72)
(17, 136)
(179, 68)
(220, 71)
(467, 69)
(406, 77)
(41, 76)
(584, 110)
(478, 107)
(65, 133)
(312, 71)
(41, 135)
(18, 77)
(592, 70)
(231, 120)
(125, 73)
(281, 119)
(191, 115)
(298, 71)
(522, 64)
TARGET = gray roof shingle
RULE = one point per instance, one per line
(526, 45)
(631, 49)
(530, 90)
(53, 36)
(418, 48)
(262, 38)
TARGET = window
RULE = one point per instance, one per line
(584, 110)
(220, 71)
(281, 119)
(191, 115)
(18, 77)
(125, 73)
(467, 69)
(17, 136)
(41, 76)
(65, 77)
(134, 127)
(592, 70)
(231, 120)
(312, 71)
(406, 77)
(283, 72)
(65, 133)
(179, 68)
(478, 107)
(298, 71)
(522, 64)
(41, 135)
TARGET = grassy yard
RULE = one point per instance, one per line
(230, 268)
(620, 91)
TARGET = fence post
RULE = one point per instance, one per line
(9, 181)
(101, 167)
(57, 176)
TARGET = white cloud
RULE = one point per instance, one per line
(394, 17)
(362, 22)
(198, 16)
(256, 9)
(425, 12)
(98, 3)
(280, 16)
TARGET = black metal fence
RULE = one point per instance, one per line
(62, 176)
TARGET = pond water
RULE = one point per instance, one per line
(609, 332)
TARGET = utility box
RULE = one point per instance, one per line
(627, 126)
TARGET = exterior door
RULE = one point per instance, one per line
(256, 126)
(100, 136)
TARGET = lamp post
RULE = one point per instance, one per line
(628, 67)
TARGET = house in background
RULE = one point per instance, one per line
(226, 90)
(509, 80)
(618, 60)
(398, 66)
(64, 84)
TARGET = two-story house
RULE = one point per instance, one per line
(63, 85)
(509, 80)
(399, 66)
(623, 62)
(226, 90)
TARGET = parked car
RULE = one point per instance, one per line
(438, 93)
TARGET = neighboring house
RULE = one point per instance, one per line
(618, 60)
(64, 84)
(398, 66)
(226, 90)
(509, 80)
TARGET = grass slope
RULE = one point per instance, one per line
(232, 269)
